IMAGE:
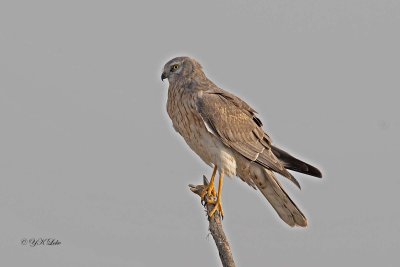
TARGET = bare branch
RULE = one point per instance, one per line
(215, 227)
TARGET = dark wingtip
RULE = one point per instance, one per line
(314, 171)
(295, 164)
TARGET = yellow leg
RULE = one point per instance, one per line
(218, 204)
(211, 188)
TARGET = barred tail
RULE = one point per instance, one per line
(270, 187)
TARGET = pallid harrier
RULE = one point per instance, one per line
(227, 135)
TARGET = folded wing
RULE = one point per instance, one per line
(235, 123)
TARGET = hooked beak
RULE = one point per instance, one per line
(163, 76)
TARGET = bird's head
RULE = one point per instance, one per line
(180, 67)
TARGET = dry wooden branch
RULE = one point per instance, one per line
(215, 227)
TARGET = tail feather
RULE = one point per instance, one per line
(295, 164)
(270, 187)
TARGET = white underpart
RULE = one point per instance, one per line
(221, 155)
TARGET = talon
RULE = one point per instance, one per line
(218, 203)
(209, 192)
(210, 196)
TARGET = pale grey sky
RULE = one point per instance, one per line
(88, 155)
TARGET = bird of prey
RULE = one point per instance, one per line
(228, 136)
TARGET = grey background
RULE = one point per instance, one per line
(88, 155)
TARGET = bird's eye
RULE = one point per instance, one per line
(174, 67)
